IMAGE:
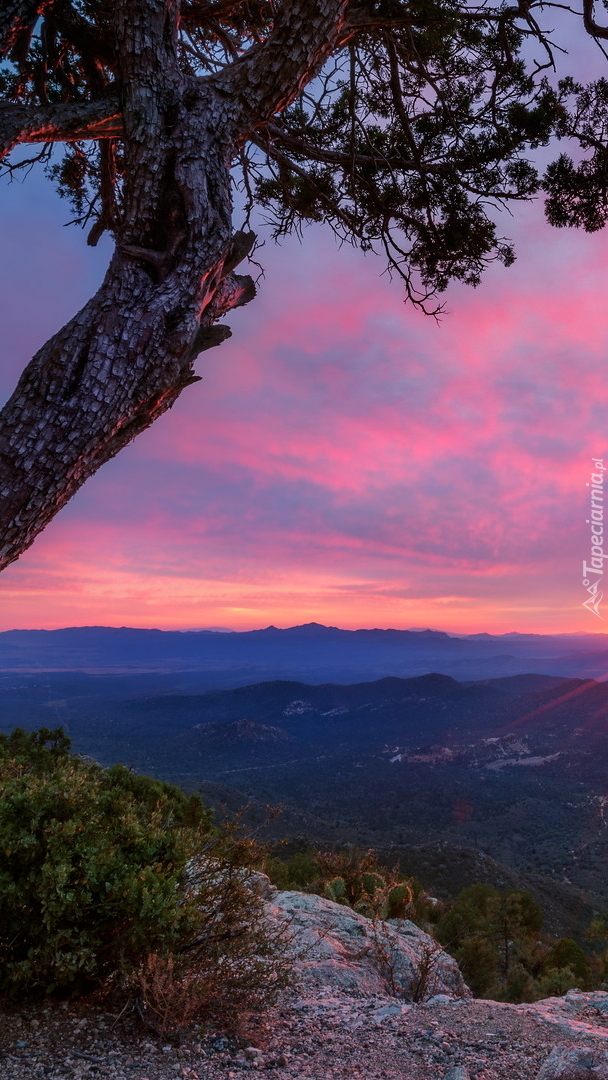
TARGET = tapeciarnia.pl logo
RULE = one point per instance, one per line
(593, 571)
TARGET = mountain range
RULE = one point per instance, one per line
(310, 653)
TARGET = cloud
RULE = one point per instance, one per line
(348, 460)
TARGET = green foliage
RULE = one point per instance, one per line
(90, 865)
(496, 938)
(478, 960)
(577, 194)
(486, 931)
(336, 890)
(98, 885)
(355, 878)
(299, 871)
(566, 954)
(39, 749)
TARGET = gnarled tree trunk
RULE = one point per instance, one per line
(128, 354)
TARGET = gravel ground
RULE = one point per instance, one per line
(325, 1037)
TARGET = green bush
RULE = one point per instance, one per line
(496, 938)
(297, 872)
(354, 878)
(97, 885)
(567, 955)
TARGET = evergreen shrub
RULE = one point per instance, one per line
(113, 880)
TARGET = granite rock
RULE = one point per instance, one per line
(334, 946)
(574, 1063)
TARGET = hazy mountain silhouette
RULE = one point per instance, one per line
(310, 653)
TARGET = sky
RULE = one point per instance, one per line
(345, 459)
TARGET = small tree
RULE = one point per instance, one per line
(566, 953)
(489, 932)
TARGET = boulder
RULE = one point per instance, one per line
(574, 1063)
(334, 946)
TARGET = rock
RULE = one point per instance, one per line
(262, 885)
(581, 1000)
(252, 1053)
(573, 1012)
(458, 1073)
(574, 1063)
(218, 1044)
(389, 1010)
(334, 946)
(200, 868)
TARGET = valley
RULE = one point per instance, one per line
(501, 779)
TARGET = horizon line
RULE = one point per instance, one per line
(216, 630)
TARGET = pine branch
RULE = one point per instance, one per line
(100, 119)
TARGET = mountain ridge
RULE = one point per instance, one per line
(310, 652)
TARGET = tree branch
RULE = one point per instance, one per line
(269, 76)
(80, 33)
(314, 152)
(72, 122)
(331, 205)
(200, 13)
(17, 19)
(126, 357)
(592, 28)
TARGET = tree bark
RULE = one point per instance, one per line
(17, 17)
(127, 355)
(100, 119)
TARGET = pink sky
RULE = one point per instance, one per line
(345, 460)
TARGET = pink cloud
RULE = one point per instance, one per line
(347, 460)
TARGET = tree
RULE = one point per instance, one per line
(399, 123)
(566, 954)
(487, 931)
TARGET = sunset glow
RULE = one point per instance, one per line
(344, 460)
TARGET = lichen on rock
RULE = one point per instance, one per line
(334, 946)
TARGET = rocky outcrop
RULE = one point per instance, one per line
(574, 1063)
(575, 1014)
(335, 947)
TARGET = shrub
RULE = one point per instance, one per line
(357, 879)
(233, 967)
(567, 955)
(298, 872)
(98, 886)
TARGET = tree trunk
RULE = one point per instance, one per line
(127, 355)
